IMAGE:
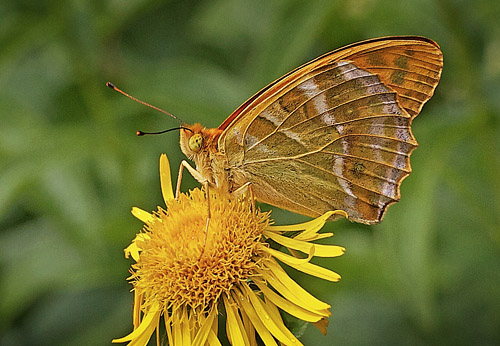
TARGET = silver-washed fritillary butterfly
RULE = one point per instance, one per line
(335, 133)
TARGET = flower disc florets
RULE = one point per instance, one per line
(184, 261)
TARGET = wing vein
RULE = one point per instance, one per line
(349, 181)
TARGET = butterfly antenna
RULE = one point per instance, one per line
(142, 133)
(112, 86)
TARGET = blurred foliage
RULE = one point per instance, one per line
(71, 166)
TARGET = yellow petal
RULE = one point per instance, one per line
(273, 310)
(305, 247)
(249, 328)
(168, 327)
(136, 318)
(311, 233)
(288, 306)
(234, 327)
(304, 265)
(215, 324)
(141, 335)
(141, 237)
(142, 215)
(181, 328)
(284, 257)
(272, 322)
(176, 328)
(165, 179)
(132, 250)
(206, 327)
(289, 289)
(313, 269)
(313, 237)
(260, 327)
(315, 224)
(185, 328)
(212, 339)
(176, 332)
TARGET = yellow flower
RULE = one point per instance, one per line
(188, 271)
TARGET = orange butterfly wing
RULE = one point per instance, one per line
(335, 133)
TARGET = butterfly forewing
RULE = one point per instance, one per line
(412, 69)
(335, 133)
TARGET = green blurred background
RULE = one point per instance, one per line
(71, 166)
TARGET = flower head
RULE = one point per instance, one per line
(189, 267)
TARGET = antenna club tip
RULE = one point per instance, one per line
(140, 133)
(110, 85)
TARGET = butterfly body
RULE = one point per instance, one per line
(334, 133)
(199, 144)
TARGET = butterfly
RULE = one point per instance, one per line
(334, 133)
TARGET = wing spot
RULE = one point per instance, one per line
(358, 169)
(401, 62)
(398, 77)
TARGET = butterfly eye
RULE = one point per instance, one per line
(196, 142)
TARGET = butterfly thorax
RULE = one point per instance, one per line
(200, 145)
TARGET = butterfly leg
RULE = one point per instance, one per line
(206, 185)
(207, 191)
(193, 172)
(243, 189)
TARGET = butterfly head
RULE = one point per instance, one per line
(195, 140)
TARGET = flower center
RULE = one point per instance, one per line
(185, 262)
